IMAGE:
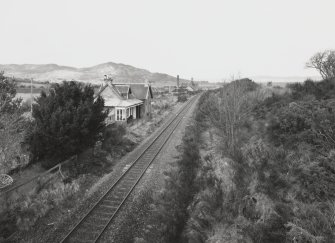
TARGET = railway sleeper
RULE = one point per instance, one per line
(132, 179)
(123, 189)
(85, 235)
(111, 202)
(105, 213)
(114, 197)
(109, 207)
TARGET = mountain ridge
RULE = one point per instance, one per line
(94, 74)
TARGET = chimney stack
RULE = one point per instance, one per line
(146, 83)
(108, 80)
(178, 81)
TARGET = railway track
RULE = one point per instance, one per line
(92, 226)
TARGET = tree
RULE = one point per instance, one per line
(68, 120)
(8, 103)
(324, 63)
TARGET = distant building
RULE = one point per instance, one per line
(181, 90)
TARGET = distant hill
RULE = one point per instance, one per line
(56, 73)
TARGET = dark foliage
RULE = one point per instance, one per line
(67, 121)
(324, 89)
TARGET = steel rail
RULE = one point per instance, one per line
(149, 144)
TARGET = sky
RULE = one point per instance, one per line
(204, 39)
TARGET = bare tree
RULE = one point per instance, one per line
(324, 63)
(231, 107)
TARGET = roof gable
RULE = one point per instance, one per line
(110, 92)
(124, 90)
(141, 91)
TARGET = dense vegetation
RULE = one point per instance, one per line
(270, 176)
(284, 171)
(67, 121)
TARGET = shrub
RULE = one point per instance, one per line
(316, 179)
(182, 98)
(33, 207)
(21, 213)
(113, 135)
(311, 122)
(312, 223)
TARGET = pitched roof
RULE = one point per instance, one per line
(112, 87)
(122, 103)
(99, 91)
(140, 91)
(123, 89)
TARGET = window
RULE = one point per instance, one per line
(118, 115)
